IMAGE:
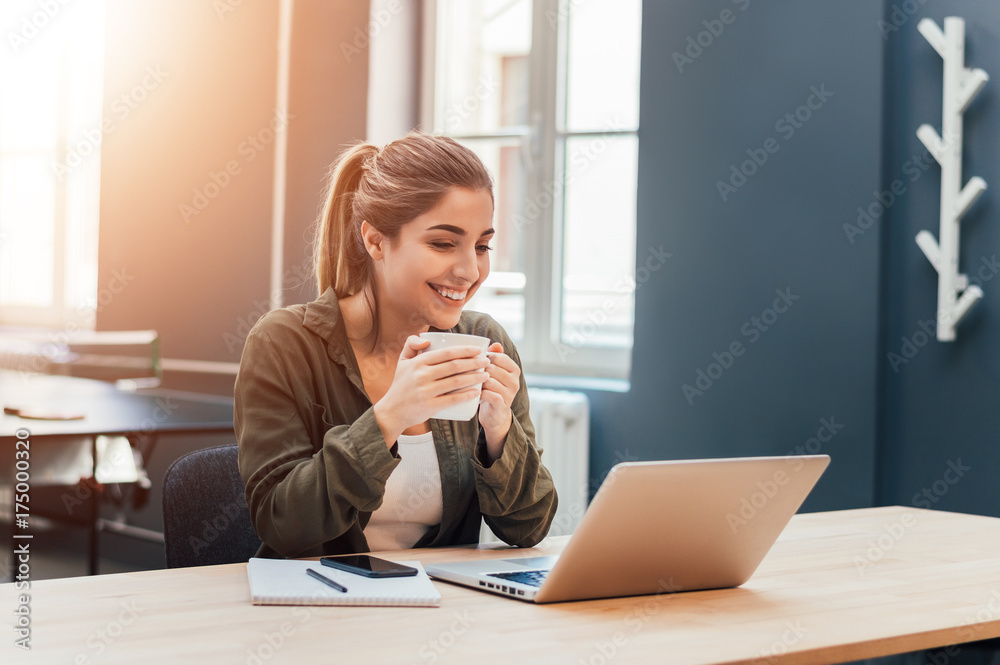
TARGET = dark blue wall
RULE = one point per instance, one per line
(812, 367)
(784, 228)
(940, 407)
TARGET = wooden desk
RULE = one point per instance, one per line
(837, 586)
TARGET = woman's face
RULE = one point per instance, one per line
(440, 259)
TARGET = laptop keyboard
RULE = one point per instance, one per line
(529, 577)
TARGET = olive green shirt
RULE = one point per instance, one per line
(315, 462)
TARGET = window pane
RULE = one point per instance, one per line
(602, 65)
(502, 295)
(51, 96)
(82, 161)
(599, 241)
(29, 74)
(482, 65)
(27, 217)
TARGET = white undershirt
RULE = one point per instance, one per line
(412, 503)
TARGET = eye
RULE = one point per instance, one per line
(437, 244)
(482, 249)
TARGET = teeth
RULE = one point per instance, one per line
(452, 295)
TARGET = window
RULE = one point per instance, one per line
(547, 94)
(51, 75)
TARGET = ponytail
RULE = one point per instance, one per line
(340, 256)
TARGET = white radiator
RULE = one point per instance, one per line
(562, 431)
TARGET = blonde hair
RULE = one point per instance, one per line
(388, 188)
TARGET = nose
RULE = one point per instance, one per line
(466, 267)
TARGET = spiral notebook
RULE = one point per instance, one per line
(285, 582)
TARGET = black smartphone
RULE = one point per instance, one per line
(367, 565)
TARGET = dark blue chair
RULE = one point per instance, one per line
(205, 516)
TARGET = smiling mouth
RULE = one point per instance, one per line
(452, 295)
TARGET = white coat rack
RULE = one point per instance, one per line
(961, 85)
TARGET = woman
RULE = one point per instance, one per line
(334, 399)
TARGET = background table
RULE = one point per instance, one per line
(836, 587)
(141, 416)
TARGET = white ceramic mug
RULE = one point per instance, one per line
(443, 340)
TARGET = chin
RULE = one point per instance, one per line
(446, 322)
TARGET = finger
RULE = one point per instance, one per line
(496, 347)
(452, 398)
(498, 387)
(503, 360)
(413, 346)
(438, 371)
(503, 365)
(463, 381)
(456, 382)
(452, 353)
(501, 375)
(494, 399)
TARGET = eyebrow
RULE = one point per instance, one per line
(457, 230)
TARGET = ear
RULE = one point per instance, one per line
(373, 240)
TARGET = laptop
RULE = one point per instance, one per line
(659, 527)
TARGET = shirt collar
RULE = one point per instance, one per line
(323, 317)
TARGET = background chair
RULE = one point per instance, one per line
(205, 516)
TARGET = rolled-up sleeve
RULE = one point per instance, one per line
(306, 478)
(516, 494)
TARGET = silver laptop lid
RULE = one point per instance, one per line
(683, 525)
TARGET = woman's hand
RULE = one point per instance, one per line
(498, 394)
(421, 382)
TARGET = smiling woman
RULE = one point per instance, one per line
(335, 400)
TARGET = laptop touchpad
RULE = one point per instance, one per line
(534, 562)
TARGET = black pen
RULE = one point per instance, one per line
(326, 580)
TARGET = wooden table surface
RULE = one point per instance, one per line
(837, 586)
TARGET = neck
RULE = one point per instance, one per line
(394, 326)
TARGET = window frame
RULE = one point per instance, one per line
(543, 145)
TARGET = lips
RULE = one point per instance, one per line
(454, 296)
